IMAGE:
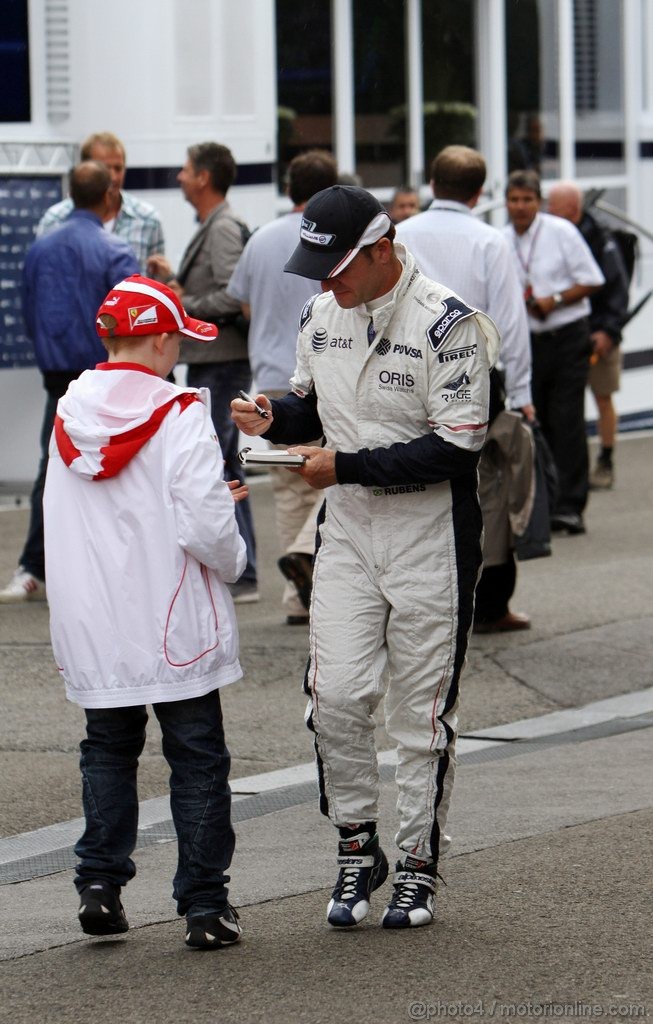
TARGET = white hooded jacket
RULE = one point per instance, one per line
(140, 539)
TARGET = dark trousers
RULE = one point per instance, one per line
(33, 556)
(560, 368)
(224, 381)
(200, 799)
(495, 588)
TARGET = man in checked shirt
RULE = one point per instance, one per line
(133, 220)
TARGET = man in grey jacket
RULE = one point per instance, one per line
(201, 283)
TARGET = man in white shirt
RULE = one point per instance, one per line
(454, 247)
(557, 273)
(272, 301)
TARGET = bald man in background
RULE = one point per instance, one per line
(608, 315)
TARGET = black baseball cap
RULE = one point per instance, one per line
(336, 223)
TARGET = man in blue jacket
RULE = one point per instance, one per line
(66, 275)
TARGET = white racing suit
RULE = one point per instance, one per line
(399, 547)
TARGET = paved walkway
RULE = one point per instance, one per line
(547, 907)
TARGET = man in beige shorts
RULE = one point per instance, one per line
(608, 315)
(604, 380)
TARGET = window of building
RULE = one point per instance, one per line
(532, 86)
(14, 62)
(598, 75)
(380, 92)
(304, 79)
(450, 108)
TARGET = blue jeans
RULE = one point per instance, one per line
(224, 381)
(200, 798)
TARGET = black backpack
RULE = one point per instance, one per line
(628, 244)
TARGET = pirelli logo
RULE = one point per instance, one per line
(457, 353)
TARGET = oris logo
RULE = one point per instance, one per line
(383, 346)
(320, 340)
(393, 381)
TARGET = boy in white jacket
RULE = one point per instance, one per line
(141, 540)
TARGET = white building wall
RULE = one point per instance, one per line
(162, 75)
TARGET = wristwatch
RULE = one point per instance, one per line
(557, 299)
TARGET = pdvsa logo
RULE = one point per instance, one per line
(383, 346)
(406, 350)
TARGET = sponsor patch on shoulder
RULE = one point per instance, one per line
(307, 313)
(455, 311)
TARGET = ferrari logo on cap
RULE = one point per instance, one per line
(139, 315)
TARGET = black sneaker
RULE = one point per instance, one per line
(413, 900)
(211, 931)
(363, 868)
(100, 910)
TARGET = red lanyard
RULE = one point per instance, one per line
(526, 263)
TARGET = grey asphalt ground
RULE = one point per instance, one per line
(547, 908)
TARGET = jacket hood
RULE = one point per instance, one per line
(109, 413)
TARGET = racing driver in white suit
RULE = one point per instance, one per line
(393, 369)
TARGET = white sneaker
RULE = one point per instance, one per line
(23, 587)
(244, 592)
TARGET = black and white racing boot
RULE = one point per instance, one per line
(363, 868)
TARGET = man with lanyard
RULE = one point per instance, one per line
(399, 542)
(557, 273)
